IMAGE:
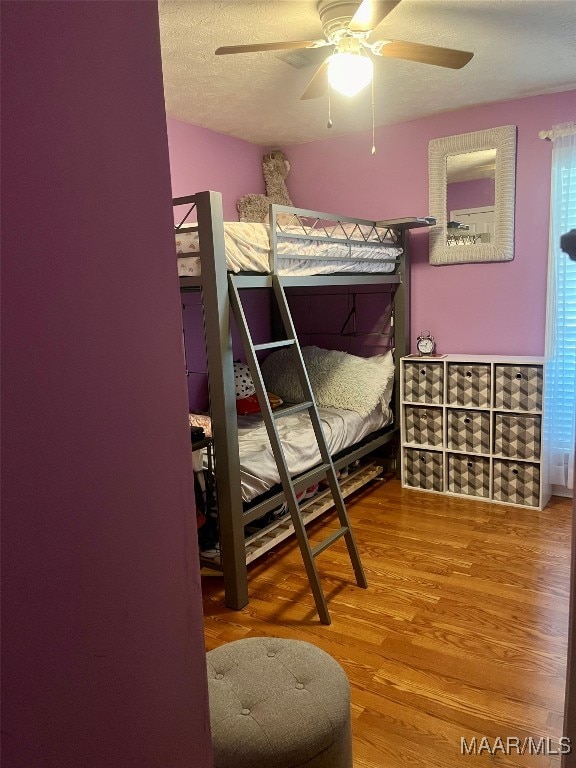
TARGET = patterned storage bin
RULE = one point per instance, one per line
(517, 436)
(469, 384)
(468, 430)
(424, 382)
(423, 426)
(469, 474)
(519, 387)
(423, 469)
(516, 482)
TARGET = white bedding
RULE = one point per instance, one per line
(342, 428)
(248, 247)
(338, 379)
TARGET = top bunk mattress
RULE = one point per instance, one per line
(352, 248)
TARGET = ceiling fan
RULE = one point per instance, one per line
(347, 27)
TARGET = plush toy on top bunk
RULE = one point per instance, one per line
(275, 167)
(246, 398)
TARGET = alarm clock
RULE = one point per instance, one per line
(425, 344)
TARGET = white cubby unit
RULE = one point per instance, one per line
(472, 426)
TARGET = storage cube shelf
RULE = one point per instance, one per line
(472, 426)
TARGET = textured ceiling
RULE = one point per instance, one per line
(521, 48)
(471, 165)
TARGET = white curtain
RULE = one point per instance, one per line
(560, 399)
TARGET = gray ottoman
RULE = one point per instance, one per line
(278, 704)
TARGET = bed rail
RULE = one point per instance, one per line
(299, 225)
(183, 226)
(289, 224)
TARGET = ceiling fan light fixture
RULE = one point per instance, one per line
(348, 73)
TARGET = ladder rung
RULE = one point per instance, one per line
(328, 541)
(311, 477)
(274, 344)
(279, 412)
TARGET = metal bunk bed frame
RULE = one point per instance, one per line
(213, 284)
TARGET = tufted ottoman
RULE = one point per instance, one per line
(278, 704)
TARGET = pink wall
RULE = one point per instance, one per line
(476, 193)
(496, 308)
(201, 159)
(103, 652)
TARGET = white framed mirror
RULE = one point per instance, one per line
(472, 183)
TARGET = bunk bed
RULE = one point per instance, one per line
(307, 249)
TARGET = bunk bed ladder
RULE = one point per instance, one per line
(325, 470)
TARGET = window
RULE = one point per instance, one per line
(560, 430)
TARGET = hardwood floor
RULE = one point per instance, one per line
(462, 631)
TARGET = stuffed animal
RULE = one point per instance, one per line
(246, 397)
(275, 167)
(243, 384)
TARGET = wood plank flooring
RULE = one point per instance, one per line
(462, 631)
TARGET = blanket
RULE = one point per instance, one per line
(338, 379)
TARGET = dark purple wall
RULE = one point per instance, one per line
(324, 317)
(103, 652)
(257, 308)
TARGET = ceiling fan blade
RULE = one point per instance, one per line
(424, 54)
(370, 13)
(319, 83)
(281, 46)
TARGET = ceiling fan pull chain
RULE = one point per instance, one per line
(373, 108)
(329, 124)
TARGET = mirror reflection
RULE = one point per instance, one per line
(470, 197)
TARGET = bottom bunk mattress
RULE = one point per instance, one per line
(342, 429)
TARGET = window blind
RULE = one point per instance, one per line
(560, 402)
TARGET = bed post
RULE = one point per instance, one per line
(222, 396)
(401, 317)
(401, 331)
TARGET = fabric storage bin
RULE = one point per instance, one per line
(424, 382)
(518, 387)
(424, 469)
(469, 474)
(516, 482)
(468, 430)
(423, 426)
(469, 384)
(517, 436)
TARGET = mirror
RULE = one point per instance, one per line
(472, 184)
(471, 197)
